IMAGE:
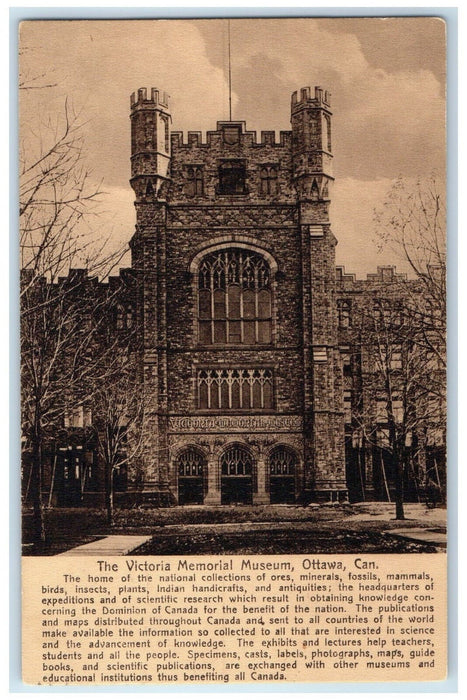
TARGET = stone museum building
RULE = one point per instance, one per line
(242, 318)
(235, 254)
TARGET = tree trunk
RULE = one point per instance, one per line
(39, 533)
(109, 495)
(398, 457)
(399, 485)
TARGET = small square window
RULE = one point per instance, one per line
(232, 177)
(348, 406)
(381, 408)
(346, 364)
(396, 359)
(344, 313)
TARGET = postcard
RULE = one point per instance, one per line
(233, 350)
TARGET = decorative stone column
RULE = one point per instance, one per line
(261, 497)
(213, 496)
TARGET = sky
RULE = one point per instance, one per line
(386, 77)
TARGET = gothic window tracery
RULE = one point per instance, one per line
(282, 462)
(234, 303)
(235, 389)
(268, 179)
(191, 477)
(194, 185)
(190, 463)
(236, 461)
(282, 475)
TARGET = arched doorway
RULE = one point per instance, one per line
(191, 473)
(236, 476)
(282, 471)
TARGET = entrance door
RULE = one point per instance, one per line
(354, 470)
(236, 477)
(191, 469)
(71, 471)
(282, 466)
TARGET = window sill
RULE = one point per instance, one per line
(232, 194)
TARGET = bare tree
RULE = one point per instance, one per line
(412, 223)
(62, 332)
(121, 409)
(58, 338)
(57, 198)
(397, 409)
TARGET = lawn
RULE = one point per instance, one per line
(234, 529)
(280, 541)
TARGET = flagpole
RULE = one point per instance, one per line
(230, 75)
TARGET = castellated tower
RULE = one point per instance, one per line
(312, 174)
(234, 257)
(150, 142)
(312, 155)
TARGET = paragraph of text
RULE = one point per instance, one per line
(233, 619)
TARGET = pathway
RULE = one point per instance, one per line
(108, 546)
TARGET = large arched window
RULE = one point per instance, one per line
(234, 304)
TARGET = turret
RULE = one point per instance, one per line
(311, 146)
(150, 143)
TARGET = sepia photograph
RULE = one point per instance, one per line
(233, 286)
(232, 312)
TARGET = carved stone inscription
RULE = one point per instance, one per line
(240, 424)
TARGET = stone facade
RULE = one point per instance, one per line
(264, 200)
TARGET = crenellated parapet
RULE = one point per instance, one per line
(139, 99)
(200, 164)
(321, 98)
(247, 139)
(385, 275)
(84, 284)
(343, 277)
(78, 275)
